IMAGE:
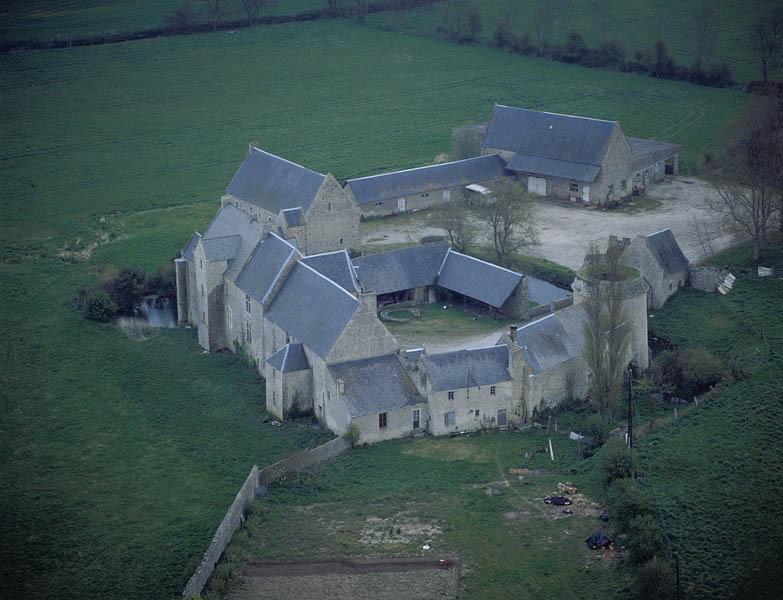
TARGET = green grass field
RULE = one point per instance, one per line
(638, 24)
(454, 321)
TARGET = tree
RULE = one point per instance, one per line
(605, 331)
(466, 141)
(126, 289)
(645, 539)
(548, 13)
(703, 35)
(181, 18)
(655, 581)
(216, 9)
(748, 176)
(617, 461)
(252, 9)
(100, 307)
(333, 6)
(602, 10)
(456, 218)
(360, 9)
(766, 41)
(460, 21)
(510, 215)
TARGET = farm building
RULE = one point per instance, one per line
(661, 262)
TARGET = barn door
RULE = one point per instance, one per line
(401, 205)
(502, 417)
(585, 193)
(536, 185)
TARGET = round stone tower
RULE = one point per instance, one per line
(634, 291)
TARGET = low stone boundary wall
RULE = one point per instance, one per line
(545, 309)
(235, 516)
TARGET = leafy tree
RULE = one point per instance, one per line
(617, 460)
(625, 501)
(655, 581)
(126, 289)
(100, 307)
(460, 21)
(645, 538)
(510, 214)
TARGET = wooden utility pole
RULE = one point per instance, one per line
(630, 408)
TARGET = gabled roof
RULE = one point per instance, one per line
(294, 217)
(289, 358)
(547, 135)
(191, 247)
(274, 183)
(543, 292)
(312, 308)
(468, 368)
(264, 266)
(646, 152)
(554, 339)
(230, 222)
(426, 179)
(373, 385)
(399, 270)
(222, 248)
(550, 167)
(337, 266)
(667, 251)
(477, 279)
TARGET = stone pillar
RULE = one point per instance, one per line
(181, 272)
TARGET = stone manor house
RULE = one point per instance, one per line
(272, 277)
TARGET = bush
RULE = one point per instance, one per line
(598, 428)
(617, 460)
(181, 18)
(625, 501)
(686, 373)
(655, 581)
(163, 283)
(100, 307)
(127, 289)
(645, 538)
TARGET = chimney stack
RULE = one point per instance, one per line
(512, 333)
(252, 145)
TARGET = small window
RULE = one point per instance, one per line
(449, 418)
(342, 241)
(623, 185)
(203, 316)
(425, 195)
(574, 187)
(383, 420)
(451, 395)
(379, 203)
(247, 304)
(492, 390)
(478, 413)
(248, 332)
(416, 418)
(201, 262)
(203, 292)
(329, 206)
(611, 189)
(274, 397)
(328, 396)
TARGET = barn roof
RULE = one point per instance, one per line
(550, 167)
(264, 266)
(646, 152)
(312, 308)
(188, 251)
(373, 385)
(399, 270)
(222, 248)
(426, 179)
(337, 266)
(544, 135)
(554, 339)
(231, 235)
(543, 292)
(274, 183)
(667, 251)
(468, 368)
(477, 279)
(289, 358)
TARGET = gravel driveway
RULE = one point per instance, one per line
(566, 231)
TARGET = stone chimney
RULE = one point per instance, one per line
(369, 300)
(252, 145)
(512, 333)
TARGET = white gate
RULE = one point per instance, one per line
(401, 205)
(536, 185)
(585, 193)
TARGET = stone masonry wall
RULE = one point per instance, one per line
(332, 217)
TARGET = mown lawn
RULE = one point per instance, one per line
(513, 545)
(637, 24)
(454, 321)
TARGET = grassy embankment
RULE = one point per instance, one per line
(122, 456)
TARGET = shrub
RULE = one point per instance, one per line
(181, 18)
(617, 460)
(655, 581)
(598, 428)
(100, 307)
(687, 373)
(353, 434)
(645, 538)
(163, 283)
(127, 289)
(625, 501)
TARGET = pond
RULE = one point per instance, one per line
(154, 311)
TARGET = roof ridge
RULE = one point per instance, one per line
(546, 112)
(489, 347)
(290, 162)
(334, 283)
(483, 261)
(452, 162)
(560, 160)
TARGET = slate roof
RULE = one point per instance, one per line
(337, 266)
(426, 179)
(550, 167)
(262, 268)
(191, 247)
(543, 292)
(646, 152)
(374, 385)
(294, 217)
(274, 183)
(312, 308)
(468, 368)
(289, 358)
(399, 270)
(667, 251)
(554, 339)
(477, 279)
(222, 248)
(230, 222)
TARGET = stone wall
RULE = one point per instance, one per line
(615, 168)
(399, 423)
(662, 284)
(705, 279)
(570, 379)
(517, 305)
(332, 222)
(465, 404)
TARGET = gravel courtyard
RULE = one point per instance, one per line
(566, 231)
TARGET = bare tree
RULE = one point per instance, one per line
(606, 332)
(549, 13)
(333, 6)
(748, 176)
(510, 215)
(360, 9)
(602, 10)
(703, 34)
(766, 39)
(252, 9)
(460, 21)
(458, 221)
(216, 9)
(705, 233)
(466, 141)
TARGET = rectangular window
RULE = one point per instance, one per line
(248, 332)
(623, 185)
(416, 418)
(383, 420)
(492, 390)
(451, 395)
(329, 206)
(247, 303)
(574, 187)
(449, 418)
(379, 203)
(342, 241)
